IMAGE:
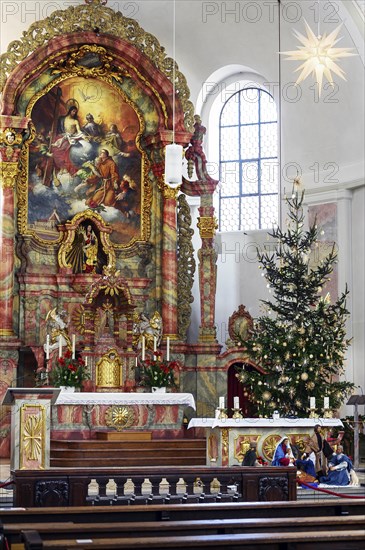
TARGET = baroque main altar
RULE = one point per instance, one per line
(93, 242)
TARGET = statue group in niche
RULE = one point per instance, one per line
(149, 329)
(85, 160)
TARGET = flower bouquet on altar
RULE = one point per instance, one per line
(158, 373)
(69, 372)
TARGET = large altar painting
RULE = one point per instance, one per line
(85, 155)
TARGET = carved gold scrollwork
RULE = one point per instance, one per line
(74, 64)
(32, 434)
(10, 137)
(225, 444)
(119, 417)
(90, 17)
(269, 445)
(242, 444)
(170, 192)
(207, 227)
(8, 174)
(186, 266)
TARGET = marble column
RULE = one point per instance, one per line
(169, 263)
(10, 149)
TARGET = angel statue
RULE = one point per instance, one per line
(57, 328)
(147, 328)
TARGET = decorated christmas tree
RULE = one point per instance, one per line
(300, 341)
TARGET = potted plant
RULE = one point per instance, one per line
(69, 372)
(157, 373)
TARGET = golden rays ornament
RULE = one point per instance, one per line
(319, 55)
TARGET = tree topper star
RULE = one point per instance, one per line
(319, 55)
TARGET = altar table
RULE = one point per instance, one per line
(228, 439)
(80, 415)
(96, 398)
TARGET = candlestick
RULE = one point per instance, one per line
(326, 403)
(47, 347)
(312, 402)
(168, 349)
(143, 348)
(221, 402)
(236, 402)
(73, 346)
(59, 346)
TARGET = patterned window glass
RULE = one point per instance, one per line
(248, 149)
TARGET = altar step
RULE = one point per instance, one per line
(105, 453)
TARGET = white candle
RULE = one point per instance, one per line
(236, 402)
(143, 348)
(221, 402)
(47, 347)
(73, 346)
(326, 403)
(86, 361)
(59, 346)
(154, 343)
(168, 349)
(136, 363)
(312, 402)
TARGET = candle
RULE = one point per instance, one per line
(326, 403)
(154, 343)
(59, 346)
(47, 347)
(221, 402)
(73, 346)
(236, 402)
(168, 349)
(143, 348)
(86, 361)
(136, 363)
(312, 401)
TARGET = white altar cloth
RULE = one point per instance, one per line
(118, 398)
(263, 422)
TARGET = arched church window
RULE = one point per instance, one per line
(248, 161)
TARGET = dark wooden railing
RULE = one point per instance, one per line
(152, 485)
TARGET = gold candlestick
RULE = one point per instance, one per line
(237, 413)
(327, 413)
(222, 414)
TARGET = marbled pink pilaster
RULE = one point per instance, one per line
(6, 260)
(169, 267)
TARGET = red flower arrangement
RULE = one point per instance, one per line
(158, 373)
(261, 461)
(69, 372)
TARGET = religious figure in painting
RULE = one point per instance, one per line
(80, 158)
(68, 135)
(102, 185)
(126, 198)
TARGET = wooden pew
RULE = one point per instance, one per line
(318, 540)
(141, 513)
